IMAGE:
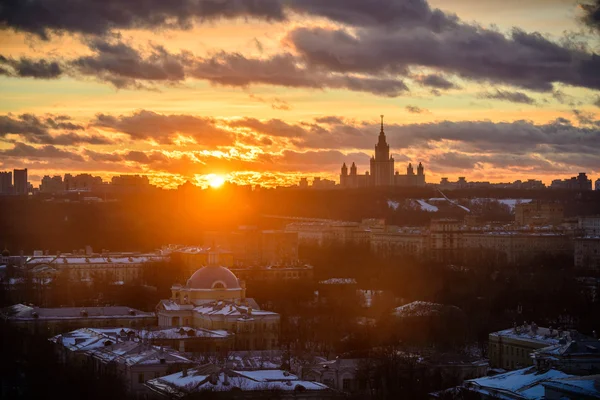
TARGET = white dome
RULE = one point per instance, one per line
(213, 277)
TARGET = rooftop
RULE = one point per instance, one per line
(24, 312)
(526, 383)
(423, 309)
(533, 334)
(199, 379)
(581, 385)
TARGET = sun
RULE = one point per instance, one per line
(215, 181)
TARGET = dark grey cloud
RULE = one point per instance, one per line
(455, 160)
(330, 158)
(415, 109)
(513, 97)
(527, 60)
(234, 69)
(586, 118)
(330, 119)
(436, 81)
(148, 125)
(28, 68)
(37, 130)
(22, 150)
(389, 14)
(273, 127)
(43, 17)
(591, 14)
(102, 157)
(123, 66)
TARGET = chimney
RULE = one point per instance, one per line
(184, 372)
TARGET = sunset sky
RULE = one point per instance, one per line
(266, 91)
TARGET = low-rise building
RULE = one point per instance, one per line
(512, 348)
(539, 213)
(578, 387)
(526, 383)
(340, 374)
(114, 267)
(589, 226)
(245, 384)
(52, 321)
(213, 298)
(578, 356)
(275, 272)
(400, 241)
(136, 362)
(587, 252)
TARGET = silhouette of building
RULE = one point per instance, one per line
(6, 182)
(597, 184)
(381, 170)
(579, 182)
(52, 184)
(21, 187)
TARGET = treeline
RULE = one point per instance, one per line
(145, 222)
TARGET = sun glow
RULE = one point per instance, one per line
(215, 181)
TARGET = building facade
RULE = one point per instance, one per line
(21, 185)
(6, 185)
(587, 252)
(539, 213)
(512, 348)
(213, 298)
(381, 171)
(52, 321)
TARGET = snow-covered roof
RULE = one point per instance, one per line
(116, 258)
(535, 335)
(135, 352)
(197, 380)
(525, 382)
(581, 385)
(183, 333)
(422, 309)
(23, 312)
(339, 281)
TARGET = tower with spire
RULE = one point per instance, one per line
(382, 165)
(381, 171)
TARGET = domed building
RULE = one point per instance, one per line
(208, 284)
(214, 298)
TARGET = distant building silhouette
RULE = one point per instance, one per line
(20, 186)
(6, 182)
(579, 182)
(381, 170)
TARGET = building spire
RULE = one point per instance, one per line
(382, 123)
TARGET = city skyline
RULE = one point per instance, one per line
(269, 93)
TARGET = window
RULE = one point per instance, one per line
(141, 377)
(346, 384)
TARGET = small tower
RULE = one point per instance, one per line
(410, 170)
(420, 170)
(344, 170)
(353, 169)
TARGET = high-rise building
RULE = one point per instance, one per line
(382, 170)
(21, 187)
(579, 182)
(6, 182)
(52, 184)
(382, 165)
